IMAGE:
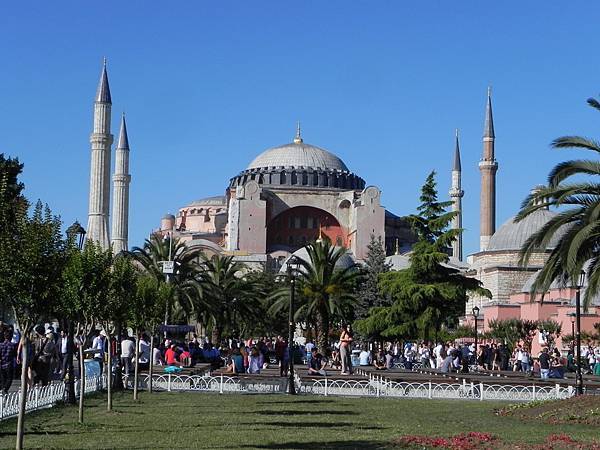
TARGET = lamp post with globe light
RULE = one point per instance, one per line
(293, 266)
(572, 315)
(578, 285)
(77, 234)
(475, 317)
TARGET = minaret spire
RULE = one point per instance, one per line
(103, 92)
(101, 141)
(456, 195)
(298, 138)
(121, 180)
(488, 166)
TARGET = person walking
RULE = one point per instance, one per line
(544, 360)
(127, 353)
(346, 339)
(8, 356)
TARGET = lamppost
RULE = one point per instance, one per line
(579, 377)
(77, 233)
(475, 317)
(572, 330)
(293, 266)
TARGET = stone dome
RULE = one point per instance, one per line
(345, 261)
(217, 200)
(512, 235)
(298, 154)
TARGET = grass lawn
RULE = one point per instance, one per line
(201, 420)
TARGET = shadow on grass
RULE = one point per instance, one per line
(318, 412)
(296, 402)
(311, 425)
(364, 445)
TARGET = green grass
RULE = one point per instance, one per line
(200, 420)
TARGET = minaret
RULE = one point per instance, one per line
(101, 141)
(121, 180)
(488, 167)
(456, 195)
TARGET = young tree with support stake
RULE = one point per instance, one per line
(31, 277)
(146, 310)
(86, 284)
(114, 309)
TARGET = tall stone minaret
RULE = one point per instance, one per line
(488, 168)
(456, 195)
(101, 141)
(121, 180)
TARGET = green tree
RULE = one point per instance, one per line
(368, 294)
(574, 189)
(86, 282)
(13, 207)
(32, 286)
(145, 312)
(513, 331)
(227, 297)
(185, 290)
(551, 329)
(429, 293)
(114, 311)
(326, 293)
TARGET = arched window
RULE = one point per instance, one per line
(282, 178)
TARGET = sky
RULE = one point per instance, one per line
(206, 86)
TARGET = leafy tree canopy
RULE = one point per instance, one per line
(430, 292)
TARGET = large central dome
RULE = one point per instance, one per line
(298, 154)
(300, 165)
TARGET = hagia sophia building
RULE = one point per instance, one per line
(291, 194)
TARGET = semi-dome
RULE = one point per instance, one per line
(217, 200)
(298, 154)
(345, 261)
(512, 235)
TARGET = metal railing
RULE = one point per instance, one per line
(39, 397)
(374, 386)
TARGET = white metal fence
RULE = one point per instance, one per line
(378, 386)
(374, 386)
(40, 397)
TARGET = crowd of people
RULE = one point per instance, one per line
(48, 355)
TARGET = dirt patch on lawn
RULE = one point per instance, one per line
(584, 409)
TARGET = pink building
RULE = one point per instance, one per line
(558, 305)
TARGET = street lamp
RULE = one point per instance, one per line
(293, 265)
(572, 329)
(77, 233)
(579, 285)
(475, 316)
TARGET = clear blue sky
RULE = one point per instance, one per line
(206, 86)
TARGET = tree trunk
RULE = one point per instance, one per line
(109, 373)
(322, 333)
(216, 336)
(23, 397)
(137, 366)
(151, 363)
(118, 381)
(81, 380)
(70, 375)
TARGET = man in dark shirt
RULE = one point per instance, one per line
(544, 360)
(316, 364)
(8, 354)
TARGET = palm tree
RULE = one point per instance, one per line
(231, 300)
(576, 227)
(326, 292)
(185, 288)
